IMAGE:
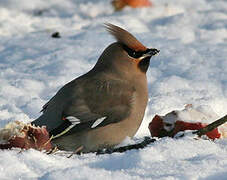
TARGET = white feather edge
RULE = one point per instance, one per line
(74, 122)
(97, 122)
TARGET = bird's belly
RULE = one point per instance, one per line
(92, 140)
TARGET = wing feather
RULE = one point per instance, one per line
(88, 101)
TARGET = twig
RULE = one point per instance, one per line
(211, 126)
(147, 140)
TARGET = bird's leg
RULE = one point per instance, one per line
(53, 150)
(77, 151)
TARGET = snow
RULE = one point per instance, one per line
(190, 69)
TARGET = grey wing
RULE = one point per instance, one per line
(91, 104)
(98, 103)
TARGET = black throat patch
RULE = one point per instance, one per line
(144, 64)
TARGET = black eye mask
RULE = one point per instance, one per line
(132, 53)
(137, 54)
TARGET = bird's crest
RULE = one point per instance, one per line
(125, 37)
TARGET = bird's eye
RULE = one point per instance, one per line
(136, 54)
(132, 53)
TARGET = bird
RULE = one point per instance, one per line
(102, 107)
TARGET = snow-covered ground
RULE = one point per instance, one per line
(191, 68)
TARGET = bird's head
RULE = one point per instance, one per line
(127, 52)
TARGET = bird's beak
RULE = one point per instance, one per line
(150, 52)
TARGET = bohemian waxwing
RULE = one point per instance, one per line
(102, 107)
